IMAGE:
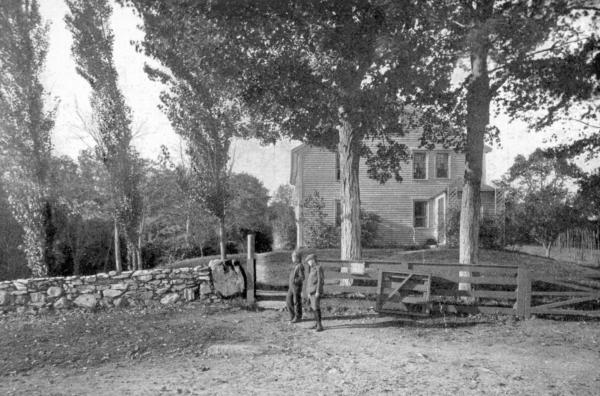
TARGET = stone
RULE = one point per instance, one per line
(141, 272)
(119, 286)
(163, 290)
(86, 288)
(89, 279)
(205, 289)
(123, 275)
(62, 303)
(37, 298)
(105, 302)
(179, 287)
(144, 278)
(169, 299)
(86, 301)
(4, 297)
(120, 302)
(147, 295)
(228, 278)
(102, 275)
(20, 284)
(189, 294)
(54, 291)
(112, 293)
(112, 273)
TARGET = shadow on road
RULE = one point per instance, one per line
(376, 322)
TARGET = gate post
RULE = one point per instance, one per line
(523, 293)
(250, 270)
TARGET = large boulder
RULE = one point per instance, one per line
(228, 277)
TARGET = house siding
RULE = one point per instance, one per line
(392, 201)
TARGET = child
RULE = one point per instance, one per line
(294, 296)
(315, 289)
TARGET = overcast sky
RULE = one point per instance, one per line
(270, 164)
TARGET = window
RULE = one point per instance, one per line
(441, 165)
(337, 166)
(419, 166)
(420, 217)
(338, 213)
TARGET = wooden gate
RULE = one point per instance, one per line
(552, 296)
(403, 292)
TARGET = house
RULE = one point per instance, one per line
(412, 211)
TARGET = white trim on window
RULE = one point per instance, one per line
(435, 164)
(426, 164)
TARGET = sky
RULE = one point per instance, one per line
(270, 164)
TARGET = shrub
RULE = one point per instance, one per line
(369, 225)
(319, 233)
(491, 233)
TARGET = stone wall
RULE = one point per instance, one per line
(165, 286)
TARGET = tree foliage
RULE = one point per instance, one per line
(92, 50)
(325, 73)
(282, 218)
(25, 126)
(539, 201)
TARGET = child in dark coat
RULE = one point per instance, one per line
(294, 296)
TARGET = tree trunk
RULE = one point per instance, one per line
(547, 248)
(222, 239)
(478, 114)
(118, 265)
(349, 152)
(187, 230)
(49, 237)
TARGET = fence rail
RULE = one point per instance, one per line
(497, 289)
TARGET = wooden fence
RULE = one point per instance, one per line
(578, 244)
(495, 289)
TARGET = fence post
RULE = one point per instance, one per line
(250, 270)
(523, 293)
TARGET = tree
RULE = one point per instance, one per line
(247, 213)
(282, 218)
(538, 192)
(25, 126)
(207, 118)
(320, 233)
(588, 196)
(489, 41)
(314, 70)
(92, 50)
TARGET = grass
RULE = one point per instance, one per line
(535, 263)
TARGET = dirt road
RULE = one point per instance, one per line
(225, 350)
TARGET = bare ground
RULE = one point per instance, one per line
(226, 349)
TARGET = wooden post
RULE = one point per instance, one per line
(379, 303)
(250, 270)
(523, 293)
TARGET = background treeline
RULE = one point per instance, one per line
(173, 226)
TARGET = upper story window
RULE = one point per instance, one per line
(419, 165)
(337, 166)
(442, 168)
